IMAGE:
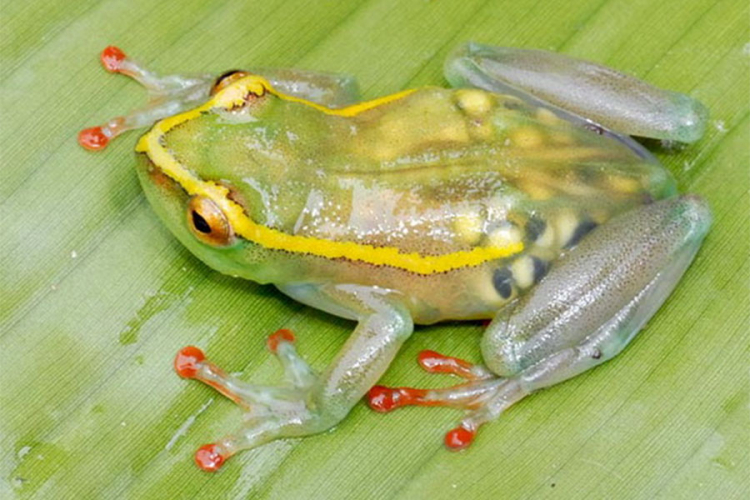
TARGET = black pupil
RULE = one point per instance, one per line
(200, 223)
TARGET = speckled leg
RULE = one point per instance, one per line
(598, 94)
(588, 308)
(307, 403)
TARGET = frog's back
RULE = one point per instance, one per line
(442, 171)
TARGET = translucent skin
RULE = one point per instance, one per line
(434, 172)
(427, 205)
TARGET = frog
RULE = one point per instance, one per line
(516, 196)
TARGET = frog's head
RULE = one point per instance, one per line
(193, 178)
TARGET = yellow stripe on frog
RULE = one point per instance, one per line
(234, 95)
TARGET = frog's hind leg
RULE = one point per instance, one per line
(588, 91)
(172, 94)
(592, 303)
(168, 95)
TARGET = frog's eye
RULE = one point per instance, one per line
(227, 79)
(208, 223)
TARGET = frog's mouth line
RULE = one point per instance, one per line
(152, 144)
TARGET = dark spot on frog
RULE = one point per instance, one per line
(540, 269)
(502, 279)
(596, 354)
(534, 228)
(200, 223)
(584, 227)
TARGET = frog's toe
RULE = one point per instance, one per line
(168, 96)
(384, 399)
(434, 362)
(255, 431)
(271, 412)
(475, 395)
(191, 363)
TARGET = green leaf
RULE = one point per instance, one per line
(97, 297)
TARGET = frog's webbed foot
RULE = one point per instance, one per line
(480, 387)
(270, 411)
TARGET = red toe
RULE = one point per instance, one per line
(93, 138)
(188, 360)
(277, 337)
(112, 57)
(459, 438)
(380, 399)
(209, 458)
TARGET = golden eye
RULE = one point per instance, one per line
(227, 79)
(208, 223)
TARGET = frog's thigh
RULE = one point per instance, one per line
(599, 295)
(327, 89)
(613, 100)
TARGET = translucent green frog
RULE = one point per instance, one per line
(514, 197)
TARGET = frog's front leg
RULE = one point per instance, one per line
(307, 403)
(590, 91)
(584, 312)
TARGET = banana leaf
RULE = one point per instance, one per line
(96, 296)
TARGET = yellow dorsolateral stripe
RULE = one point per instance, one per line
(234, 95)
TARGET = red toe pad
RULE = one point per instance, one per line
(111, 58)
(459, 438)
(187, 361)
(380, 398)
(278, 336)
(384, 399)
(209, 458)
(93, 138)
